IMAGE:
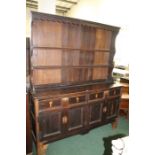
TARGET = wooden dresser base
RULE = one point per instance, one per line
(59, 114)
(42, 148)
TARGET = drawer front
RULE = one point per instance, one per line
(95, 96)
(78, 99)
(50, 104)
(114, 91)
(62, 102)
(73, 100)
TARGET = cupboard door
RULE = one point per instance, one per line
(95, 115)
(112, 107)
(76, 118)
(50, 124)
(104, 112)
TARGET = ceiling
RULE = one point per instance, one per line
(32, 4)
(62, 6)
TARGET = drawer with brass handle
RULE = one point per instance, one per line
(113, 92)
(77, 99)
(65, 101)
(50, 104)
(97, 95)
(106, 93)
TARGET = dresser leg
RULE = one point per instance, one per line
(114, 124)
(41, 149)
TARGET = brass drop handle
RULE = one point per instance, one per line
(96, 96)
(106, 92)
(64, 119)
(50, 104)
(105, 109)
(65, 99)
(77, 99)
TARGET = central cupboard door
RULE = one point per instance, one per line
(96, 108)
(76, 118)
(95, 113)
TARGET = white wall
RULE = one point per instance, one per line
(47, 6)
(112, 12)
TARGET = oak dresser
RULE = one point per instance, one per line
(72, 89)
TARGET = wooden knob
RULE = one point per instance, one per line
(106, 92)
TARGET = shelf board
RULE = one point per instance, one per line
(68, 48)
(57, 67)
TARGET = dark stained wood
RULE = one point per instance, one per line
(42, 57)
(100, 73)
(101, 58)
(76, 118)
(95, 113)
(72, 90)
(45, 16)
(69, 49)
(50, 124)
(69, 66)
(71, 36)
(28, 127)
(27, 56)
(103, 39)
(46, 76)
(50, 32)
(113, 107)
(88, 37)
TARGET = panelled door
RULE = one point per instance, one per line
(112, 107)
(96, 102)
(76, 112)
(95, 113)
(76, 118)
(50, 124)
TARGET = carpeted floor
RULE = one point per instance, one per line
(92, 143)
